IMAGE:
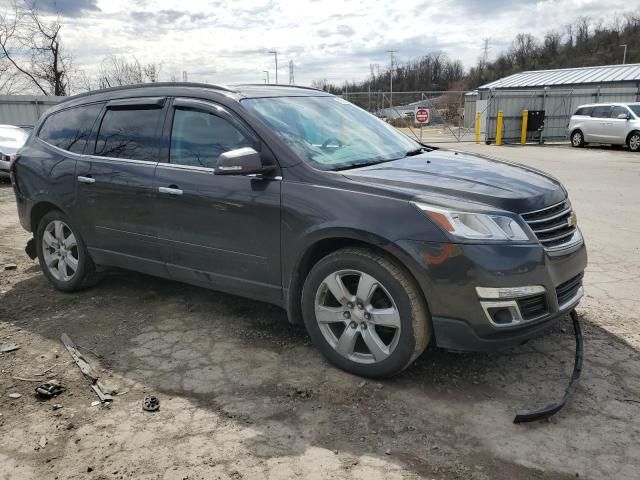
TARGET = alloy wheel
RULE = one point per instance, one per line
(357, 316)
(634, 142)
(577, 139)
(60, 251)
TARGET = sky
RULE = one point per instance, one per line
(220, 41)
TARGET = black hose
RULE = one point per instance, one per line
(533, 414)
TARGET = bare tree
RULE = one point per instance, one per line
(151, 72)
(116, 71)
(321, 84)
(32, 47)
(10, 82)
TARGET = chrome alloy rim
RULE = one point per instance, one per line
(577, 139)
(357, 316)
(60, 251)
(634, 142)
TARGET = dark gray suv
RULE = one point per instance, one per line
(295, 197)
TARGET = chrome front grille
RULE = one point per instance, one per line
(554, 226)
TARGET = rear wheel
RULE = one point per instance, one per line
(365, 313)
(634, 142)
(577, 139)
(62, 254)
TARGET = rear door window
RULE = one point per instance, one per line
(198, 138)
(69, 129)
(603, 111)
(129, 133)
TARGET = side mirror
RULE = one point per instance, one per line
(623, 116)
(242, 161)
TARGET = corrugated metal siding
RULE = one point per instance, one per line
(24, 109)
(569, 76)
(559, 103)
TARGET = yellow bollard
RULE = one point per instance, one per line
(478, 121)
(499, 129)
(525, 120)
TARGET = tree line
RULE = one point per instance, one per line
(583, 43)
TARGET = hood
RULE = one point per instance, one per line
(465, 177)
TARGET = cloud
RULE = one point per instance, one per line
(168, 16)
(227, 41)
(65, 8)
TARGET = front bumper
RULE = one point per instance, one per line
(449, 274)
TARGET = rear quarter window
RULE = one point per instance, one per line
(69, 129)
(584, 111)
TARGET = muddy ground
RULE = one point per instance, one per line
(245, 395)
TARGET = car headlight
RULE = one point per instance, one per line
(474, 226)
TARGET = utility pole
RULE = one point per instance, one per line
(292, 80)
(391, 52)
(624, 55)
(267, 72)
(276, 55)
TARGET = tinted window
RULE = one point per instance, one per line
(635, 109)
(198, 138)
(130, 133)
(584, 111)
(70, 129)
(601, 112)
(615, 111)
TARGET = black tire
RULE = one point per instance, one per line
(415, 323)
(85, 274)
(633, 141)
(577, 139)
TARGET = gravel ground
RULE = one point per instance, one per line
(244, 394)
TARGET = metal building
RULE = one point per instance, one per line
(557, 93)
(24, 109)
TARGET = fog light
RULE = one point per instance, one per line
(501, 316)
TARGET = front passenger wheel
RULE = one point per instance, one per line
(365, 313)
(634, 142)
(63, 255)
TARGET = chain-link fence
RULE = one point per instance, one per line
(449, 119)
(454, 114)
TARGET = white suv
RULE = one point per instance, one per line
(613, 123)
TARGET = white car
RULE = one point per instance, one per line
(612, 123)
(12, 138)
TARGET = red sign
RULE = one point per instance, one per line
(422, 115)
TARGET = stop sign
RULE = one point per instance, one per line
(422, 115)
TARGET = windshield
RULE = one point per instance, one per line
(635, 109)
(331, 133)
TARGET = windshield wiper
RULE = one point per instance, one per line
(365, 163)
(417, 151)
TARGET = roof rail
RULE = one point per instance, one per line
(276, 85)
(151, 85)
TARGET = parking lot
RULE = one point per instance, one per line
(245, 395)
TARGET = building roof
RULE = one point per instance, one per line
(569, 76)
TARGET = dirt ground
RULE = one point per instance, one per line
(245, 395)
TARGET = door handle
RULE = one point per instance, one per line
(82, 179)
(170, 190)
